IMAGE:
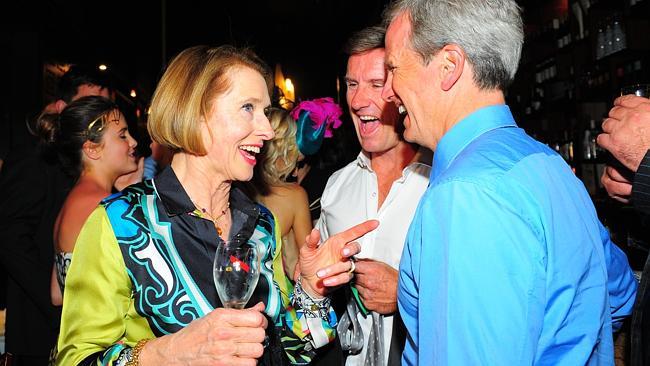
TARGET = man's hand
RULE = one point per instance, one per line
(377, 285)
(618, 187)
(627, 130)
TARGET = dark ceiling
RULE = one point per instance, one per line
(305, 36)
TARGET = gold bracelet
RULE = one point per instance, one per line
(135, 353)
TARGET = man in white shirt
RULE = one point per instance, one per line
(385, 183)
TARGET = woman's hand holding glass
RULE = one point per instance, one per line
(230, 335)
(223, 337)
(328, 265)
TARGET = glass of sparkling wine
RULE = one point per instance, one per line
(640, 90)
(236, 271)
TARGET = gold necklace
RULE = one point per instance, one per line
(215, 219)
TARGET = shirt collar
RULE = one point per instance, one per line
(467, 130)
(364, 160)
(176, 201)
(423, 156)
(171, 193)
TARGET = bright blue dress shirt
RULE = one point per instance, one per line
(506, 262)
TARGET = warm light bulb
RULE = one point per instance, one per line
(291, 93)
(133, 94)
(289, 85)
(103, 67)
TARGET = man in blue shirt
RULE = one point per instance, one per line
(505, 262)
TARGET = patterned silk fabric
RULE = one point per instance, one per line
(168, 289)
(62, 263)
(168, 253)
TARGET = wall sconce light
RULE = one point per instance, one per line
(291, 92)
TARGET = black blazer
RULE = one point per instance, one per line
(32, 192)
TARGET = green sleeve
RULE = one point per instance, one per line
(99, 324)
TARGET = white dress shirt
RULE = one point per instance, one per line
(350, 198)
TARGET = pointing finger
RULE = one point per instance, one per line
(357, 231)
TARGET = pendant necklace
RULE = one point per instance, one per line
(215, 219)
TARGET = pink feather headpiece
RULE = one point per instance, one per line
(321, 110)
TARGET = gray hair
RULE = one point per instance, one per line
(365, 40)
(489, 31)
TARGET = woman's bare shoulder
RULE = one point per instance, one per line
(293, 190)
(79, 204)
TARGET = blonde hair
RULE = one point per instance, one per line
(190, 84)
(282, 148)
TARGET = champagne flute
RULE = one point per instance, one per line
(640, 90)
(236, 271)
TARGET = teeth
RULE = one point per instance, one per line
(253, 149)
(368, 118)
(401, 109)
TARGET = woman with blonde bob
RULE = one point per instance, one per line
(288, 201)
(140, 291)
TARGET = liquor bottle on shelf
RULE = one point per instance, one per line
(563, 145)
(593, 163)
(590, 149)
(578, 13)
(609, 38)
(587, 153)
(600, 43)
(556, 143)
(618, 35)
(588, 177)
(563, 34)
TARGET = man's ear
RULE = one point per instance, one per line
(92, 150)
(453, 63)
(59, 105)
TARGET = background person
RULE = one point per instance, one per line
(321, 151)
(93, 144)
(287, 201)
(627, 137)
(160, 157)
(38, 187)
(385, 182)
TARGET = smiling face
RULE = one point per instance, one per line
(237, 125)
(412, 85)
(375, 121)
(117, 146)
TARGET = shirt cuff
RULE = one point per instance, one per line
(641, 185)
(316, 316)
